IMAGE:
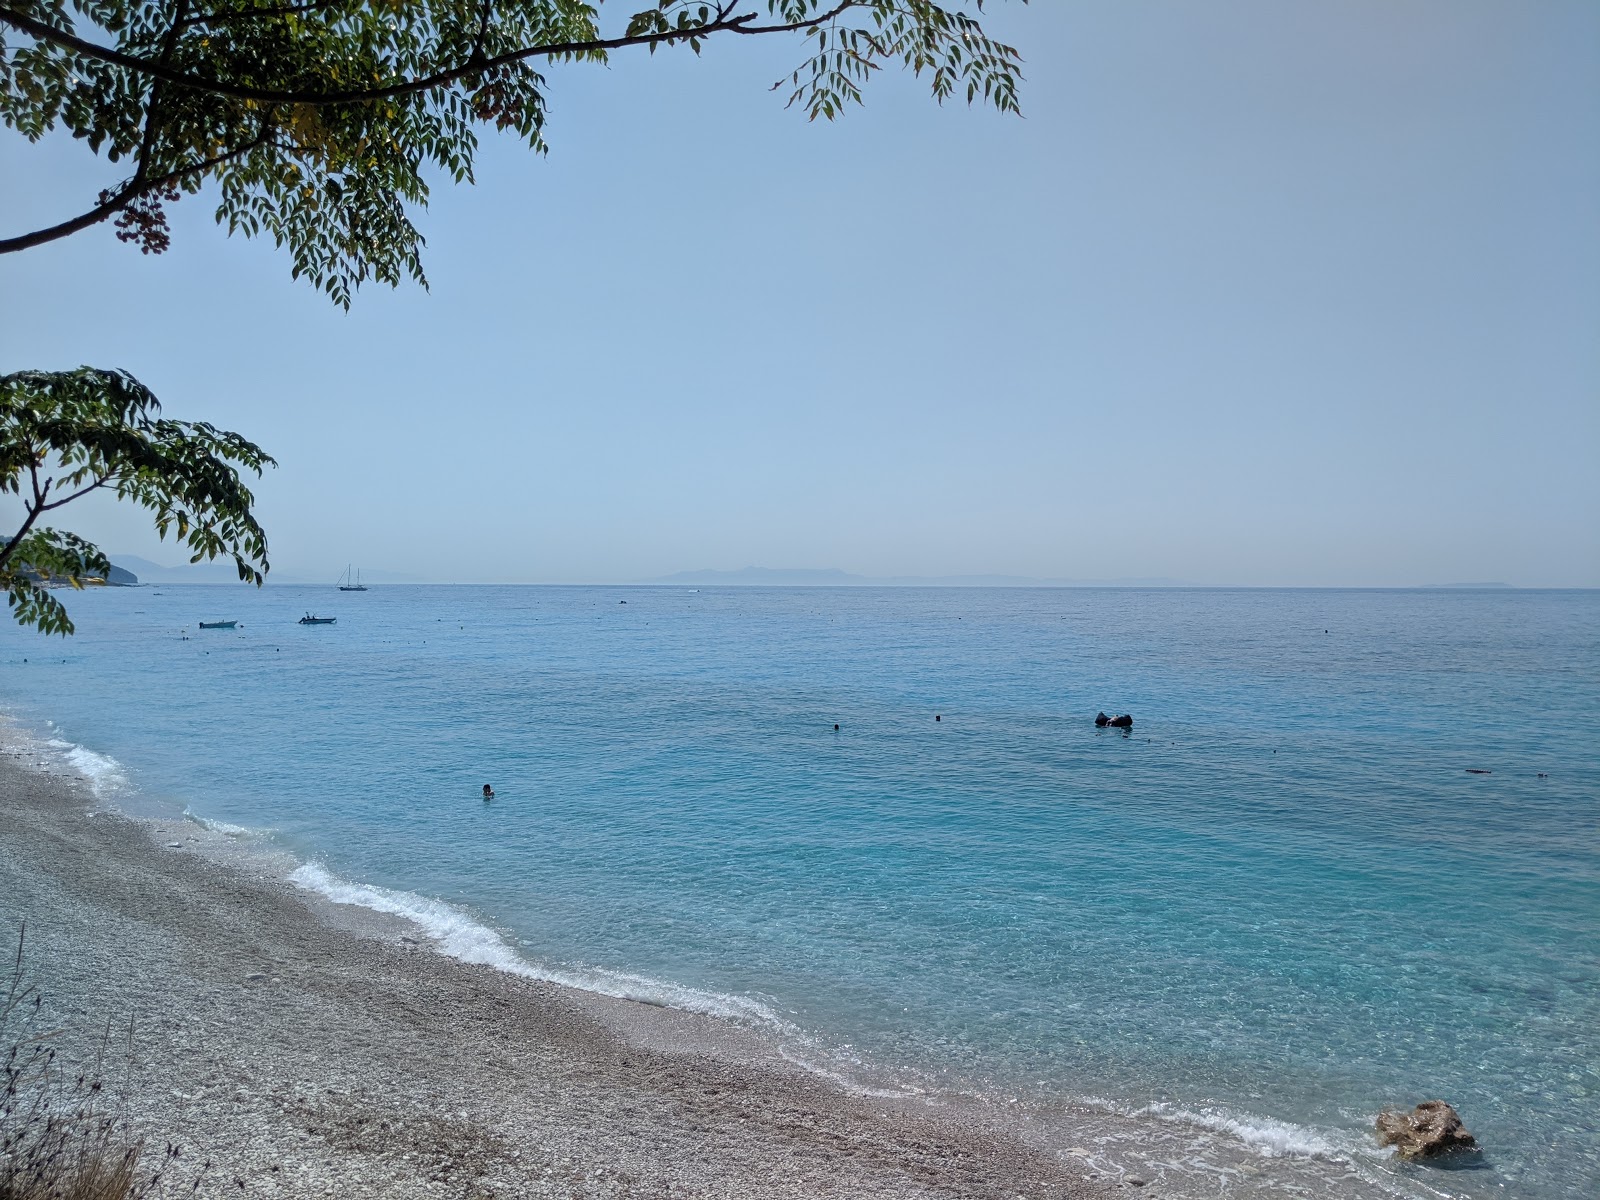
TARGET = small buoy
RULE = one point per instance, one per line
(937, 717)
(836, 727)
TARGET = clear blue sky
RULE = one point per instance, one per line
(1259, 292)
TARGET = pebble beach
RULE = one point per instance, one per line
(302, 1048)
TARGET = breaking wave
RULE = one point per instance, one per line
(458, 935)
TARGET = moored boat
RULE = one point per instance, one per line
(308, 619)
(218, 624)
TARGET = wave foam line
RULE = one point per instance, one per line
(224, 828)
(104, 774)
(460, 937)
(1266, 1136)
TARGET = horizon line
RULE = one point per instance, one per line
(1057, 587)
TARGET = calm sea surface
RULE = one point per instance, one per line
(1278, 905)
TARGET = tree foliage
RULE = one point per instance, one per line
(318, 120)
(66, 434)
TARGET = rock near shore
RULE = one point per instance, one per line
(1429, 1129)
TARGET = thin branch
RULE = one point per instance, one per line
(144, 66)
(132, 190)
(483, 32)
(84, 491)
(810, 23)
(147, 143)
(33, 515)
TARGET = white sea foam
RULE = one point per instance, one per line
(458, 935)
(223, 827)
(1265, 1136)
(105, 776)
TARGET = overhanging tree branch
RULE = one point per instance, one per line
(64, 434)
(365, 99)
(155, 69)
(119, 199)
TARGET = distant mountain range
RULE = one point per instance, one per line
(833, 577)
(149, 572)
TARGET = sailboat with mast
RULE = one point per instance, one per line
(350, 581)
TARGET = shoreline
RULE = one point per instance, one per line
(776, 1108)
(307, 1047)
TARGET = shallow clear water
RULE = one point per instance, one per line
(1282, 899)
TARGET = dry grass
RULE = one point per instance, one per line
(60, 1136)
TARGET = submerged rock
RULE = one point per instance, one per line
(1431, 1128)
(1125, 721)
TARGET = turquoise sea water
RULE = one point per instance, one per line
(1279, 904)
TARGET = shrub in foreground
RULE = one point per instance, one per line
(60, 1136)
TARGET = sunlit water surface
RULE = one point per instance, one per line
(1278, 905)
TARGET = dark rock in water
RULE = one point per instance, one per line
(1104, 722)
(1429, 1129)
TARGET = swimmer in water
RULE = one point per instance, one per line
(488, 792)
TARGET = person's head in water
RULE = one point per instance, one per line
(488, 792)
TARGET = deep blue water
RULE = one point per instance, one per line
(1282, 899)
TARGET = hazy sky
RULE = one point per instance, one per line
(1265, 292)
